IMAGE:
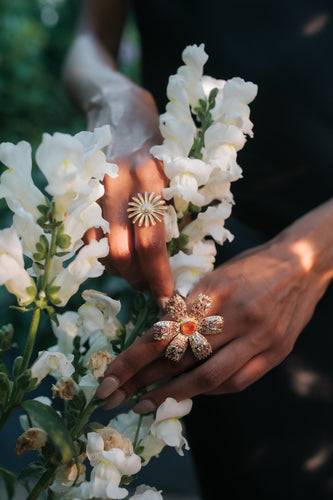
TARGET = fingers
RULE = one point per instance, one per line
(122, 257)
(204, 378)
(251, 372)
(154, 261)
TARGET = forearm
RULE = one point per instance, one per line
(310, 239)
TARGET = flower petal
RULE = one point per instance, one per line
(176, 307)
(211, 325)
(200, 306)
(177, 347)
(165, 330)
(200, 346)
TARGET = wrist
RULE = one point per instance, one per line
(310, 241)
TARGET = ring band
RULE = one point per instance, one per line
(145, 208)
(188, 327)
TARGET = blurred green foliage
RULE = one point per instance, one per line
(34, 38)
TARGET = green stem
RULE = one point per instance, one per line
(137, 330)
(136, 438)
(48, 260)
(5, 416)
(77, 429)
(31, 339)
(43, 483)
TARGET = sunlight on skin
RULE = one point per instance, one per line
(305, 252)
(319, 459)
(316, 24)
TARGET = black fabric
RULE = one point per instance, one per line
(274, 440)
(288, 165)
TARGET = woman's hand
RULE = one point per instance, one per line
(138, 254)
(266, 296)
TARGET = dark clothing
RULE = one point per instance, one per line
(274, 440)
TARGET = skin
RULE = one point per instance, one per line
(266, 295)
(107, 97)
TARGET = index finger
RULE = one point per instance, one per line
(138, 355)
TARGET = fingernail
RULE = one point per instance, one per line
(144, 406)
(162, 302)
(107, 387)
(115, 400)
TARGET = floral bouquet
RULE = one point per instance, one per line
(205, 124)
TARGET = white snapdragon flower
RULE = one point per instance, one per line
(170, 409)
(85, 213)
(12, 272)
(237, 94)
(108, 468)
(65, 332)
(55, 363)
(88, 384)
(144, 492)
(219, 133)
(66, 475)
(191, 166)
(69, 163)
(127, 424)
(85, 265)
(16, 184)
(217, 188)
(178, 138)
(183, 189)
(26, 227)
(170, 224)
(208, 84)
(108, 310)
(194, 58)
(210, 222)
(187, 270)
(166, 429)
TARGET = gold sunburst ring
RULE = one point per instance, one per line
(146, 209)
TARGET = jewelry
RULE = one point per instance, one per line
(188, 327)
(146, 208)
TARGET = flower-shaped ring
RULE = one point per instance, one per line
(145, 208)
(188, 327)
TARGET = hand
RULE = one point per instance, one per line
(138, 254)
(266, 296)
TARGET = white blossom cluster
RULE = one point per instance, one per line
(201, 175)
(111, 455)
(73, 168)
(109, 450)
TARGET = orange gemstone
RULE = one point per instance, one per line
(189, 327)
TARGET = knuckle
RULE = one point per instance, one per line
(209, 379)
(237, 385)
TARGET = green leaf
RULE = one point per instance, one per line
(61, 254)
(55, 300)
(43, 209)
(53, 289)
(51, 312)
(212, 98)
(35, 469)
(9, 479)
(47, 419)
